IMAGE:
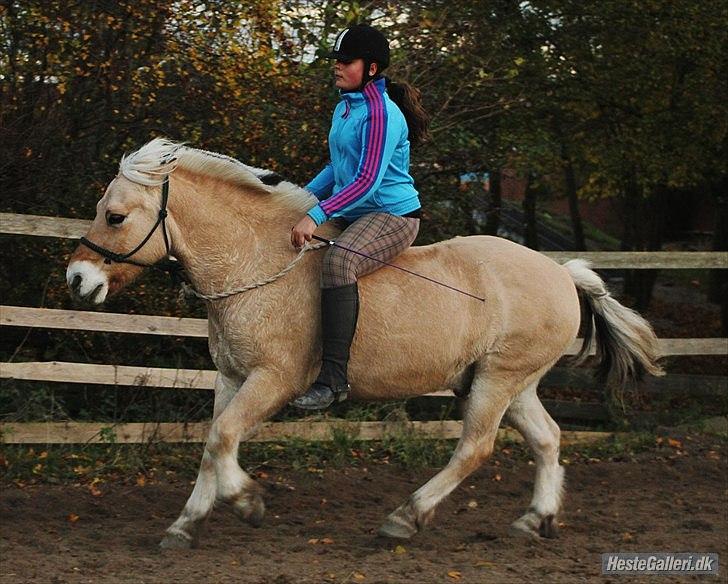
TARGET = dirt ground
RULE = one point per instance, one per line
(321, 525)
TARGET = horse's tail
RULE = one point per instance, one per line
(626, 345)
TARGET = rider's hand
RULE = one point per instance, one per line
(302, 231)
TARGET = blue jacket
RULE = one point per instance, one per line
(369, 167)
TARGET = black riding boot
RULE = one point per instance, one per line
(339, 312)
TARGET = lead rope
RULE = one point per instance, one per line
(188, 290)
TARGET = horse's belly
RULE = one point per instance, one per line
(413, 357)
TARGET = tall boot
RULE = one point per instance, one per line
(339, 313)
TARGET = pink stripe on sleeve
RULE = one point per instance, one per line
(374, 151)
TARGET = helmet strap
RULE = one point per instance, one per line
(366, 77)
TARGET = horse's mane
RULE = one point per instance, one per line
(156, 159)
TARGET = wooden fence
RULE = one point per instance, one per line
(126, 376)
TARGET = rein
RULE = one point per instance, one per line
(173, 267)
(334, 243)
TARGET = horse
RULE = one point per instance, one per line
(228, 224)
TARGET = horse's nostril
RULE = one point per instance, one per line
(76, 284)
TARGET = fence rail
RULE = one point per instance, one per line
(107, 322)
(38, 225)
(137, 432)
(119, 375)
(22, 316)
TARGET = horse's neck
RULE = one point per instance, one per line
(225, 237)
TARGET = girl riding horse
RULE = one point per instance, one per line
(366, 188)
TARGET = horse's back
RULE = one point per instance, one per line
(431, 332)
(488, 263)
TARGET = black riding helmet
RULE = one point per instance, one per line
(362, 41)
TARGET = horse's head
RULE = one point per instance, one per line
(130, 216)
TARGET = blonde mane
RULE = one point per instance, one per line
(156, 159)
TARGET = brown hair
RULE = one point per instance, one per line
(409, 99)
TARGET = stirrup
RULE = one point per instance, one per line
(320, 396)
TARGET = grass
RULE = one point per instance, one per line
(62, 463)
(76, 464)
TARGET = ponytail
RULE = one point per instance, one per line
(409, 99)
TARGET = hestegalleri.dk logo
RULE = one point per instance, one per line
(659, 563)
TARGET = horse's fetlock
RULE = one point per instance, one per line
(423, 518)
(249, 507)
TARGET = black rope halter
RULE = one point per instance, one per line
(173, 267)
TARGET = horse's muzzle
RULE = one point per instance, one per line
(87, 282)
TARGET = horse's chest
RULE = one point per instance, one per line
(232, 351)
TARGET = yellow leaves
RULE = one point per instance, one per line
(400, 549)
(93, 489)
(674, 443)
(358, 576)
(484, 564)
(323, 541)
(141, 480)
(454, 575)
(72, 518)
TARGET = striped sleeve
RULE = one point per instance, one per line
(377, 150)
(322, 183)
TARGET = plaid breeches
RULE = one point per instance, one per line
(379, 235)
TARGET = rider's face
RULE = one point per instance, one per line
(348, 75)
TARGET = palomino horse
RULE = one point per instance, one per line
(229, 224)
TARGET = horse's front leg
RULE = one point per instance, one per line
(185, 532)
(264, 392)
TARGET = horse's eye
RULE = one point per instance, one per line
(115, 219)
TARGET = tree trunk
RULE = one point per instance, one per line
(643, 232)
(493, 222)
(529, 213)
(570, 182)
(718, 291)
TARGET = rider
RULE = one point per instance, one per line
(367, 186)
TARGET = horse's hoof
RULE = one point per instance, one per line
(399, 525)
(175, 541)
(251, 509)
(524, 527)
(549, 528)
(395, 531)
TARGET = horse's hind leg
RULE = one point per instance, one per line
(542, 434)
(486, 405)
(185, 531)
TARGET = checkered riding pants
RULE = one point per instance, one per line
(379, 235)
